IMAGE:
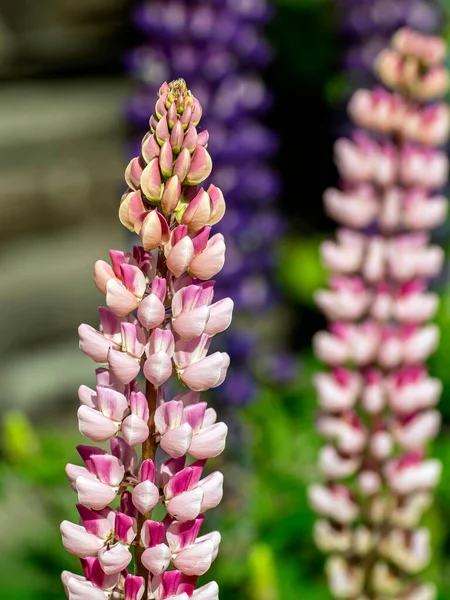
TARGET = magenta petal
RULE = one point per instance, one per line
(147, 471)
(94, 494)
(209, 442)
(186, 506)
(157, 559)
(151, 312)
(176, 442)
(145, 496)
(109, 469)
(114, 559)
(95, 523)
(196, 560)
(94, 425)
(182, 535)
(125, 528)
(152, 533)
(123, 366)
(134, 587)
(134, 430)
(78, 541)
(93, 343)
(158, 368)
(99, 578)
(133, 279)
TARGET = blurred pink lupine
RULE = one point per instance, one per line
(158, 323)
(377, 402)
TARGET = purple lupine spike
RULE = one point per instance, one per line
(223, 63)
(377, 401)
(158, 325)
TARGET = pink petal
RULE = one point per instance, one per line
(84, 590)
(102, 274)
(93, 343)
(113, 404)
(78, 541)
(200, 167)
(171, 195)
(209, 442)
(217, 204)
(94, 425)
(191, 324)
(176, 442)
(151, 312)
(139, 406)
(198, 211)
(210, 591)
(220, 315)
(180, 256)
(158, 368)
(145, 496)
(108, 468)
(94, 522)
(151, 184)
(195, 560)
(204, 374)
(182, 165)
(183, 535)
(123, 366)
(209, 262)
(157, 559)
(186, 506)
(94, 494)
(212, 487)
(75, 471)
(133, 279)
(87, 396)
(114, 559)
(121, 301)
(134, 430)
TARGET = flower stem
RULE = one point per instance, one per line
(148, 452)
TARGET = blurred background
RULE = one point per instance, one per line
(76, 79)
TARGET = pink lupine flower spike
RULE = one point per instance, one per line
(158, 323)
(377, 401)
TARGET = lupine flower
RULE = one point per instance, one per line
(158, 324)
(377, 401)
(181, 38)
(368, 26)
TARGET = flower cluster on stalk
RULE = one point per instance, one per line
(157, 325)
(378, 402)
(219, 47)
